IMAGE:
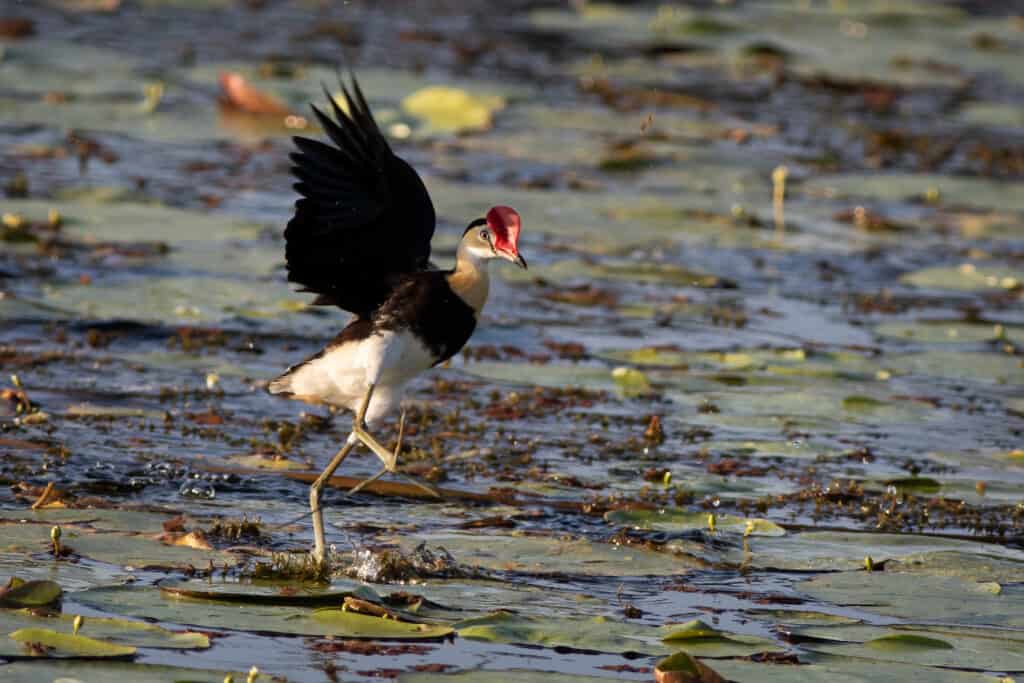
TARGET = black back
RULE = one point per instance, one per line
(365, 218)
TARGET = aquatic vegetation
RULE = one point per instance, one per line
(753, 413)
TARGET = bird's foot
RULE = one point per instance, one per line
(431, 490)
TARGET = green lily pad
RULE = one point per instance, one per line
(681, 520)
(966, 278)
(452, 110)
(107, 629)
(126, 550)
(799, 617)
(948, 332)
(55, 644)
(257, 592)
(988, 367)
(921, 597)
(20, 593)
(599, 633)
(349, 624)
(512, 676)
(697, 638)
(830, 669)
(549, 555)
(978, 565)
(685, 668)
(903, 642)
(982, 649)
(836, 550)
(150, 603)
(98, 671)
(107, 519)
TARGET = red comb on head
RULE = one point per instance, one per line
(504, 224)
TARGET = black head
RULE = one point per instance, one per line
(476, 223)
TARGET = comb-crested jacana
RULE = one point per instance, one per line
(360, 240)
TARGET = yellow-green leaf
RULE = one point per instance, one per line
(69, 645)
(452, 109)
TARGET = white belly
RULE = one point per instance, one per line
(342, 375)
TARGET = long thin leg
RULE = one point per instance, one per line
(389, 458)
(319, 547)
(392, 460)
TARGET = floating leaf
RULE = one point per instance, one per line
(684, 668)
(698, 638)
(693, 629)
(549, 555)
(862, 403)
(20, 593)
(915, 484)
(348, 624)
(108, 629)
(66, 644)
(149, 603)
(631, 382)
(966, 277)
(920, 596)
(949, 646)
(903, 641)
(452, 110)
(294, 593)
(681, 520)
(92, 671)
(599, 634)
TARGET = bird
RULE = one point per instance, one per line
(359, 239)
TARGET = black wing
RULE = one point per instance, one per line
(364, 218)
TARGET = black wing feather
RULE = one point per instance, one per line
(364, 218)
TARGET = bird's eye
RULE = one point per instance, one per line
(484, 235)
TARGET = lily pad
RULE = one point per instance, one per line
(99, 671)
(452, 110)
(347, 624)
(266, 592)
(549, 555)
(599, 633)
(42, 642)
(921, 597)
(684, 668)
(112, 519)
(126, 550)
(19, 593)
(927, 646)
(948, 332)
(681, 520)
(697, 638)
(150, 603)
(836, 550)
(829, 669)
(110, 630)
(986, 367)
(966, 278)
(512, 676)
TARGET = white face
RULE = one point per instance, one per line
(478, 244)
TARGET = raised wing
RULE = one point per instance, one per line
(364, 217)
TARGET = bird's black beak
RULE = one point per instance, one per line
(513, 256)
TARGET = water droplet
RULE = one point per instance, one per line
(197, 489)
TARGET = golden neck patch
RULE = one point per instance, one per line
(470, 281)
